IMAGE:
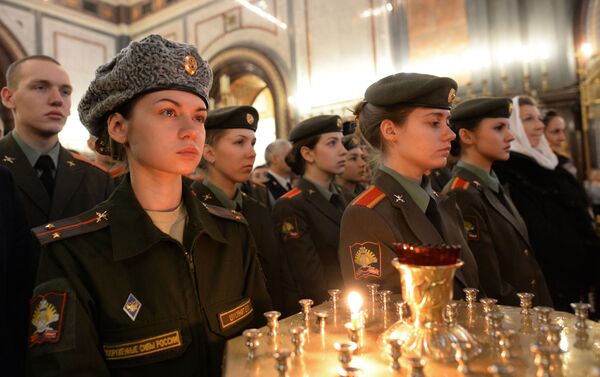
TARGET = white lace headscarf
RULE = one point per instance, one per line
(542, 153)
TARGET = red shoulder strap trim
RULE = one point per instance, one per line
(459, 184)
(83, 158)
(369, 198)
(290, 194)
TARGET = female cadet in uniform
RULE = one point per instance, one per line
(355, 171)
(554, 206)
(496, 232)
(405, 118)
(151, 282)
(228, 159)
(307, 218)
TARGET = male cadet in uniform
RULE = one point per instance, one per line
(279, 174)
(53, 183)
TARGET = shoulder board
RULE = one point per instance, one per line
(73, 226)
(225, 213)
(459, 184)
(369, 198)
(290, 194)
(82, 158)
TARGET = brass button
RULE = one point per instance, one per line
(533, 282)
(526, 251)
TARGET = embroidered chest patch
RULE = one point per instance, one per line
(47, 317)
(366, 259)
(289, 228)
(471, 227)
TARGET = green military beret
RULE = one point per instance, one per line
(414, 89)
(152, 64)
(316, 126)
(232, 117)
(479, 108)
(349, 142)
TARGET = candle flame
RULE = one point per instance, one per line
(355, 301)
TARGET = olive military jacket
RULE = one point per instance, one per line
(309, 227)
(386, 214)
(79, 185)
(498, 237)
(279, 280)
(116, 296)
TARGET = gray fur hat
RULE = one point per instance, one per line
(152, 64)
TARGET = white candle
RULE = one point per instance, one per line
(355, 302)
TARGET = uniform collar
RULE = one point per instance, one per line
(327, 193)
(489, 179)
(420, 194)
(124, 209)
(222, 197)
(281, 180)
(33, 154)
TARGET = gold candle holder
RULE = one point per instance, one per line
(428, 290)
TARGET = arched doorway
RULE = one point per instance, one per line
(244, 76)
(10, 50)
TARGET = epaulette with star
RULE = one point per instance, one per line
(225, 213)
(459, 183)
(369, 198)
(290, 194)
(86, 222)
(86, 160)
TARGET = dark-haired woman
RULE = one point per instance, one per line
(228, 159)
(496, 232)
(554, 207)
(404, 117)
(555, 132)
(307, 218)
(355, 171)
(151, 282)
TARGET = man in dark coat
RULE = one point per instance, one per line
(52, 182)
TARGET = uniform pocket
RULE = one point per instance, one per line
(160, 342)
(230, 317)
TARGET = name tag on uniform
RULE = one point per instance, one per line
(233, 316)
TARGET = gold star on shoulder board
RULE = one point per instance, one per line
(55, 235)
(71, 163)
(101, 216)
(477, 184)
(236, 214)
(207, 196)
(9, 159)
(399, 198)
(49, 226)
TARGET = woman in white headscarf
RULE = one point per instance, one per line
(554, 206)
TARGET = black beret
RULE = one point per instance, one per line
(349, 142)
(315, 126)
(414, 89)
(479, 108)
(152, 64)
(232, 117)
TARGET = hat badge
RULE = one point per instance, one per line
(510, 106)
(340, 123)
(451, 95)
(190, 64)
(249, 118)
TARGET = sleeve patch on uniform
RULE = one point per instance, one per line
(47, 318)
(366, 259)
(143, 347)
(471, 227)
(290, 229)
(231, 317)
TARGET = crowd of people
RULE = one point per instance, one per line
(148, 266)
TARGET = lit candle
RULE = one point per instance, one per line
(355, 302)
